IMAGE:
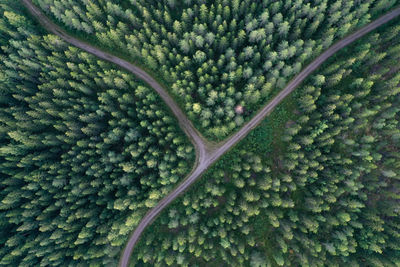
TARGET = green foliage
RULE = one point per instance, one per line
(218, 54)
(324, 195)
(85, 150)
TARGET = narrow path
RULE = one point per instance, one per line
(205, 157)
(196, 138)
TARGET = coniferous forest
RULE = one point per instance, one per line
(87, 148)
(328, 195)
(216, 55)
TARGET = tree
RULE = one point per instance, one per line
(196, 108)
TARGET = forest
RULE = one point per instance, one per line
(217, 55)
(86, 149)
(325, 194)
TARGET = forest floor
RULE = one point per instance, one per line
(206, 152)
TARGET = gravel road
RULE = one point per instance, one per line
(205, 156)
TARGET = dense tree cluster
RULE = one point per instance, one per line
(211, 222)
(217, 55)
(332, 197)
(85, 150)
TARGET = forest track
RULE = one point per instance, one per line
(200, 143)
(205, 155)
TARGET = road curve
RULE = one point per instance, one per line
(205, 158)
(195, 137)
(216, 154)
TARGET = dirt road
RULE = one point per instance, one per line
(205, 157)
(198, 141)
